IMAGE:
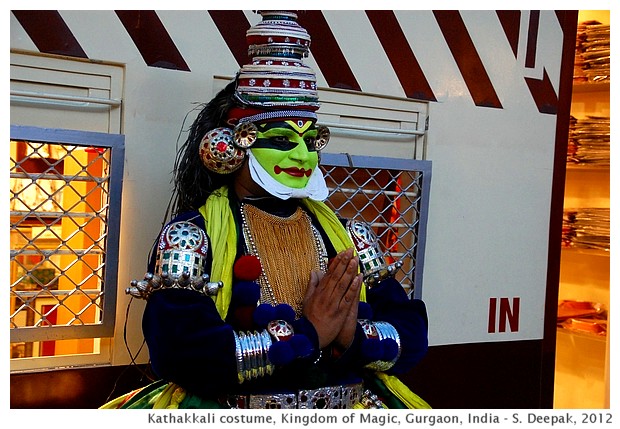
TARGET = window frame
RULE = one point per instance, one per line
(116, 143)
(423, 167)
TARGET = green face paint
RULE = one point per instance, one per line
(286, 151)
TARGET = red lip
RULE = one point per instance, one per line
(293, 171)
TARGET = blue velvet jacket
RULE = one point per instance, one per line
(190, 344)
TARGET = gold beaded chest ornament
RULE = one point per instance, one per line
(288, 250)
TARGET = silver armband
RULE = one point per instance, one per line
(380, 331)
(372, 261)
(182, 248)
(181, 254)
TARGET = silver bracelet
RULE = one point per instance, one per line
(386, 330)
(380, 331)
(251, 355)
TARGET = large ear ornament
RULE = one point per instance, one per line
(322, 137)
(245, 134)
(219, 153)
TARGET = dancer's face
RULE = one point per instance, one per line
(286, 150)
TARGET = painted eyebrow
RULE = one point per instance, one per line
(281, 125)
(287, 131)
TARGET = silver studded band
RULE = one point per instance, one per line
(251, 355)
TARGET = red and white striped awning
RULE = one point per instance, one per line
(373, 51)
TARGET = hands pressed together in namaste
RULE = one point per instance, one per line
(332, 299)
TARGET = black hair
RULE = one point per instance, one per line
(193, 182)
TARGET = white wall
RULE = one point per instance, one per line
(492, 168)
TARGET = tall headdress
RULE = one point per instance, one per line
(275, 84)
(277, 78)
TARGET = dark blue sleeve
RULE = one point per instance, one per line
(189, 343)
(391, 304)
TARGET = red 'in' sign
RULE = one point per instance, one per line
(503, 312)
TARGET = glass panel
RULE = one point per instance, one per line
(59, 216)
(390, 201)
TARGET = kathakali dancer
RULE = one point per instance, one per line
(255, 294)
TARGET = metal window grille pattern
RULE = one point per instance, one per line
(64, 209)
(392, 196)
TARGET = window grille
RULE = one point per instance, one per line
(392, 196)
(64, 209)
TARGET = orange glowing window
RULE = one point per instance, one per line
(64, 208)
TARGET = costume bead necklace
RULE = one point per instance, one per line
(289, 248)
